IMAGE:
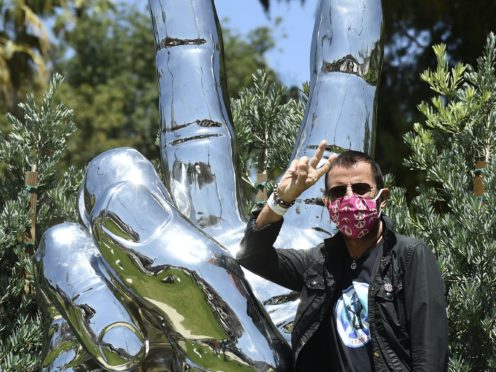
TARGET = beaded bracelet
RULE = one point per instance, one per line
(281, 202)
(276, 207)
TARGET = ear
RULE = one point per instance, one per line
(384, 197)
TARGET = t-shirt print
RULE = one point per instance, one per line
(352, 319)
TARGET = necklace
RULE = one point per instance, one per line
(354, 264)
(354, 260)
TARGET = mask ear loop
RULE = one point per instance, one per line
(375, 199)
(379, 194)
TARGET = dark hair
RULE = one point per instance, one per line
(349, 158)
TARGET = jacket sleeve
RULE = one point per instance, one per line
(281, 266)
(426, 311)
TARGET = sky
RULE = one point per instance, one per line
(291, 56)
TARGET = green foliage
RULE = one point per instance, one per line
(410, 30)
(266, 120)
(245, 55)
(24, 44)
(266, 124)
(112, 83)
(26, 40)
(38, 141)
(458, 130)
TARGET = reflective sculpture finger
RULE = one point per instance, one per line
(70, 271)
(63, 350)
(346, 60)
(197, 142)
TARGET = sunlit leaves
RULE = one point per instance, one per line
(442, 80)
(266, 123)
(460, 227)
(36, 140)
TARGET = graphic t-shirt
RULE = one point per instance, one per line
(349, 322)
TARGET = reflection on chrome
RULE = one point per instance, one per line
(156, 271)
(148, 281)
(64, 352)
(118, 165)
(186, 280)
(71, 277)
(346, 59)
(197, 142)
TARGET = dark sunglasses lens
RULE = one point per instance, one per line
(360, 188)
(337, 192)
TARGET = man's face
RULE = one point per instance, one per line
(360, 174)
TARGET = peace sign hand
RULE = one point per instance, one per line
(302, 174)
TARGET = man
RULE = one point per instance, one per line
(370, 299)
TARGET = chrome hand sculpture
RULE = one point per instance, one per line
(148, 281)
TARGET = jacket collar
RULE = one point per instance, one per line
(390, 239)
(389, 235)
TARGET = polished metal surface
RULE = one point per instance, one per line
(64, 352)
(71, 276)
(113, 166)
(186, 281)
(197, 141)
(156, 279)
(148, 281)
(346, 60)
(197, 135)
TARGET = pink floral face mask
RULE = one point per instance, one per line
(355, 216)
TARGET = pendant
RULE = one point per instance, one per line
(353, 265)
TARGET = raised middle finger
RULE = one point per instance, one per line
(318, 154)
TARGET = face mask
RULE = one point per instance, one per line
(354, 216)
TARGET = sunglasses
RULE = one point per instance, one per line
(357, 188)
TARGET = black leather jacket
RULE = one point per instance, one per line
(407, 311)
